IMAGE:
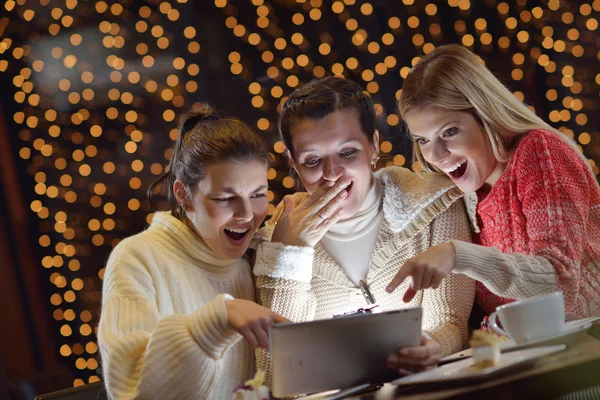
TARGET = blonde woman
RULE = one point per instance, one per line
(537, 202)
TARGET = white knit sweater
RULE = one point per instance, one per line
(304, 283)
(164, 331)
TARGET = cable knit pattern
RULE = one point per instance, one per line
(412, 200)
(541, 228)
(406, 231)
(164, 332)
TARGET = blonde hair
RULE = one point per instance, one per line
(452, 78)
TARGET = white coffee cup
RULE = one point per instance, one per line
(530, 319)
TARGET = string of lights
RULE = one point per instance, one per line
(96, 88)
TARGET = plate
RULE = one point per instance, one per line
(571, 330)
(463, 369)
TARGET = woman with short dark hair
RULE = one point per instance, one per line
(354, 227)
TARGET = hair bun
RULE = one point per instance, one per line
(200, 112)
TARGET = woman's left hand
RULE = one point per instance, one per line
(411, 359)
(426, 269)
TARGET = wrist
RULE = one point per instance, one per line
(229, 301)
(452, 253)
(297, 243)
(227, 297)
(287, 241)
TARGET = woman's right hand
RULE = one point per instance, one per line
(426, 269)
(252, 321)
(305, 223)
(411, 359)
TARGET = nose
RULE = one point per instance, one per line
(436, 153)
(332, 170)
(243, 211)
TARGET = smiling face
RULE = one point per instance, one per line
(228, 206)
(456, 144)
(335, 148)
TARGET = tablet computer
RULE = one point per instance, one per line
(338, 353)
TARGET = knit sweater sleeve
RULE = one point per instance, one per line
(283, 275)
(446, 309)
(147, 356)
(554, 187)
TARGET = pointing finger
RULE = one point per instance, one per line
(403, 273)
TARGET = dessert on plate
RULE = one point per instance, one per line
(253, 389)
(486, 349)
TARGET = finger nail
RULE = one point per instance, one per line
(388, 289)
(343, 193)
(392, 359)
(330, 183)
(404, 352)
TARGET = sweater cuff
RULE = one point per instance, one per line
(275, 260)
(210, 327)
(475, 261)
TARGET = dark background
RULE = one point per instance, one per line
(91, 91)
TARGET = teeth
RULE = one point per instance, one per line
(455, 167)
(237, 230)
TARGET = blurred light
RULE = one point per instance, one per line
(107, 81)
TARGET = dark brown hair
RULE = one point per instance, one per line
(321, 97)
(204, 139)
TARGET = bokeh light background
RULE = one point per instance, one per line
(92, 91)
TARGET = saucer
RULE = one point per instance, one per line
(463, 369)
(570, 331)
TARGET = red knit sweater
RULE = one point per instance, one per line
(545, 204)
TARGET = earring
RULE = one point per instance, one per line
(374, 163)
(182, 209)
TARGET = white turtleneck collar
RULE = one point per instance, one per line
(179, 236)
(369, 213)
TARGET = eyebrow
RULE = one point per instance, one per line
(230, 190)
(441, 129)
(341, 143)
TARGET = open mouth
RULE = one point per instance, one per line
(459, 170)
(237, 236)
(349, 188)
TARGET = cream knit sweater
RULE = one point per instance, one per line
(164, 332)
(304, 283)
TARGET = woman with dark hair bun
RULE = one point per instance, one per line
(335, 247)
(178, 297)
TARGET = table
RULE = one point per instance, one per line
(547, 377)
